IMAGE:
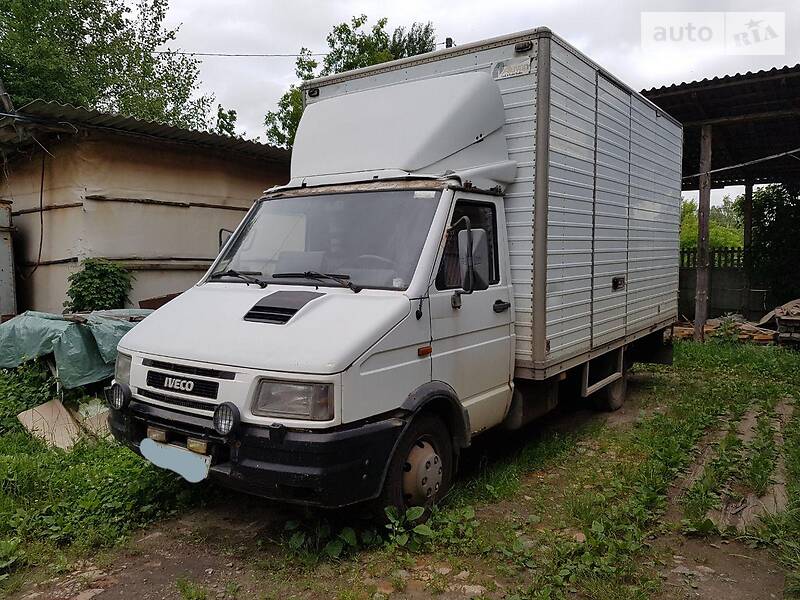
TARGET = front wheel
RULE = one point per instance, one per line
(421, 469)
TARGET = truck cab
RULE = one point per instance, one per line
(334, 318)
(404, 292)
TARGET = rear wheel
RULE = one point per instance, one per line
(421, 470)
(612, 396)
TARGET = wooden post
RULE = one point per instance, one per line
(704, 206)
(748, 215)
(5, 100)
(748, 241)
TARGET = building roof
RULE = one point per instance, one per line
(752, 115)
(41, 115)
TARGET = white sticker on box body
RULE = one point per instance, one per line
(191, 466)
(511, 68)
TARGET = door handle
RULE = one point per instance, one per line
(501, 306)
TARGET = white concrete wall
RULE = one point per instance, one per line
(103, 197)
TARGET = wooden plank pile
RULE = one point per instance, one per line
(787, 318)
(781, 326)
(744, 331)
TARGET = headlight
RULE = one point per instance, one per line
(122, 370)
(312, 401)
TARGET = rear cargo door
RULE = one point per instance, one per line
(611, 205)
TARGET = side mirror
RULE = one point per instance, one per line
(224, 236)
(473, 259)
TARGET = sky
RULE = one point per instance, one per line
(608, 31)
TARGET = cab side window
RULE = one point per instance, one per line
(482, 215)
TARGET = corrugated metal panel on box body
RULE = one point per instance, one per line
(614, 210)
(656, 148)
(570, 207)
(612, 185)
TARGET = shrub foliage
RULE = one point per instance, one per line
(99, 285)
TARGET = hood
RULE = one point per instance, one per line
(326, 334)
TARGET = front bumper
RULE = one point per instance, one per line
(330, 468)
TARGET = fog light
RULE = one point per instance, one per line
(198, 446)
(226, 418)
(118, 396)
(157, 435)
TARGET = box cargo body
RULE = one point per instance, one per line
(593, 213)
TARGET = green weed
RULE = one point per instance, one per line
(763, 455)
(705, 493)
(191, 591)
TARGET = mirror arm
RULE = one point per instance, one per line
(455, 300)
(220, 233)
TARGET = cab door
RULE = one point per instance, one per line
(473, 344)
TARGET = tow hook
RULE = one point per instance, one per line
(277, 432)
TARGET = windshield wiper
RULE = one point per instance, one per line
(248, 279)
(343, 280)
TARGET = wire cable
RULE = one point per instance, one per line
(234, 54)
(249, 54)
(41, 217)
(745, 164)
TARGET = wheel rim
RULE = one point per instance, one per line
(422, 474)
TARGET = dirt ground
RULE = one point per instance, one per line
(214, 547)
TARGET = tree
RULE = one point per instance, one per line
(282, 123)
(351, 47)
(775, 241)
(729, 213)
(103, 55)
(724, 225)
(226, 122)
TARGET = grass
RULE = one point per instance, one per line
(763, 456)
(782, 532)
(621, 509)
(705, 493)
(53, 501)
(550, 516)
(192, 591)
(502, 479)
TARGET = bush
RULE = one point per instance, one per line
(99, 285)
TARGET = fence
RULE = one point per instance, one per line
(730, 289)
(720, 258)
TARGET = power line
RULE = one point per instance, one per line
(745, 164)
(227, 54)
(248, 54)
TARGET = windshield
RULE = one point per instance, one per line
(372, 239)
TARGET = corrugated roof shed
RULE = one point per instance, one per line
(753, 115)
(55, 117)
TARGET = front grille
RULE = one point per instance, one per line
(167, 366)
(270, 314)
(195, 387)
(196, 404)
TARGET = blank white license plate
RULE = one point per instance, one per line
(191, 466)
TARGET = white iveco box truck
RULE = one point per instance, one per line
(464, 233)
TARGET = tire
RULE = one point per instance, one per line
(425, 443)
(612, 397)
